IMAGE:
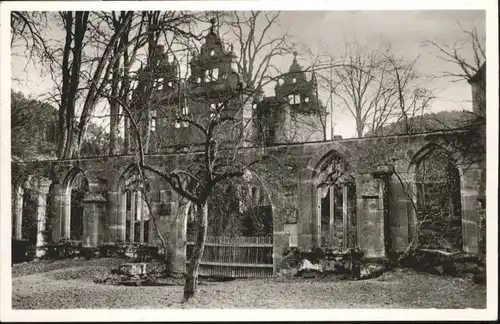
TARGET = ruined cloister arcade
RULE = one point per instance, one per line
(371, 193)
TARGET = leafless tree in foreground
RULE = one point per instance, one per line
(97, 47)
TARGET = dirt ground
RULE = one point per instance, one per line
(69, 285)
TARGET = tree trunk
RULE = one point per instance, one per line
(190, 287)
(153, 219)
(359, 128)
(126, 139)
(114, 108)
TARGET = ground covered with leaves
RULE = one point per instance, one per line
(70, 284)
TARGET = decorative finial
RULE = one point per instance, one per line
(295, 53)
(212, 21)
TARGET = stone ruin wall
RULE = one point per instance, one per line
(385, 217)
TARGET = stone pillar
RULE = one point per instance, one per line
(469, 191)
(153, 214)
(132, 216)
(344, 215)
(403, 215)
(281, 242)
(57, 210)
(116, 226)
(412, 212)
(66, 212)
(311, 226)
(151, 227)
(93, 216)
(122, 216)
(138, 210)
(331, 230)
(140, 215)
(308, 211)
(370, 213)
(41, 190)
(17, 213)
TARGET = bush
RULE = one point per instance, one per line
(113, 250)
(21, 251)
(63, 249)
(109, 279)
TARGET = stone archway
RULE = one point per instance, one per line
(74, 187)
(437, 221)
(241, 228)
(130, 217)
(29, 216)
(29, 212)
(24, 208)
(334, 202)
(241, 207)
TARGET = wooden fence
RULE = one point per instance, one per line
(236, 257)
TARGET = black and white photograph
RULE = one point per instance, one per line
(167, 157)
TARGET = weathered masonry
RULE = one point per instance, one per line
(378, 193)
(369, 206)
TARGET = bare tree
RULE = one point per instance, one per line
(403, 95)
(75, 87)
(377, 87)
(27, 32)
(96, 49)
(358, 84)
(211, 148)
(467, 55)
(211, 160)
(256, 46)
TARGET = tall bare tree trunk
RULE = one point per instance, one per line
(114, 108)
(359, 127)
(66, 75)
(191, 284)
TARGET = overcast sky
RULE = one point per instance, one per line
(328, 31)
